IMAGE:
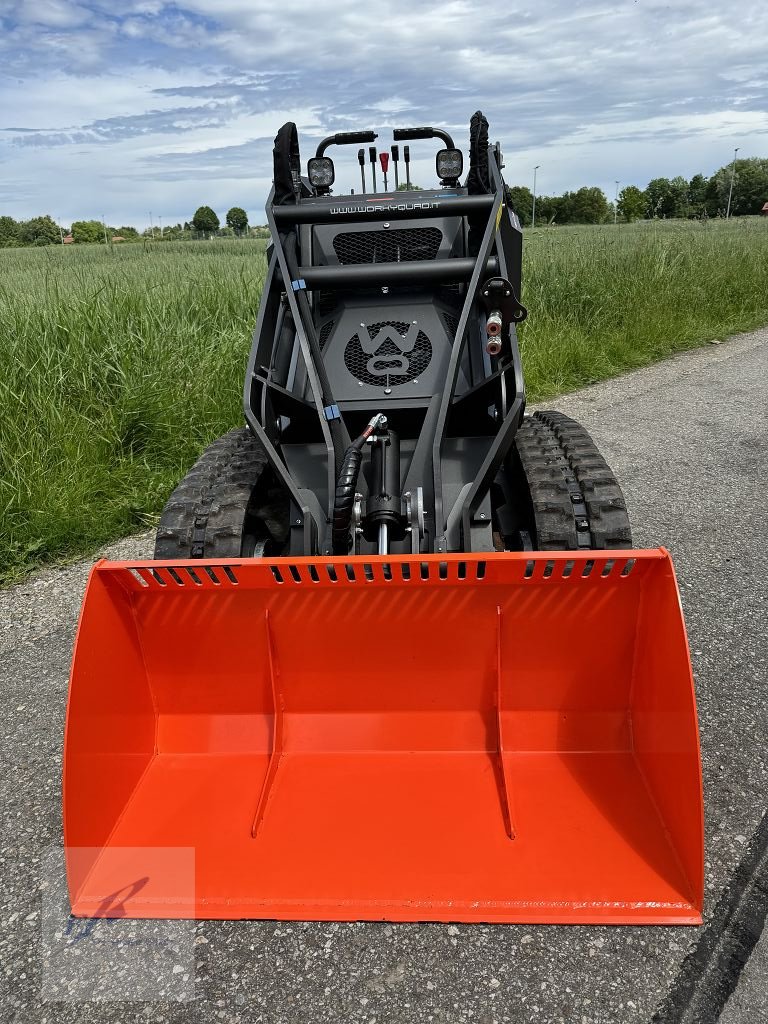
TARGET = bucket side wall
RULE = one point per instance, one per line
(111, 723)
(664, 722)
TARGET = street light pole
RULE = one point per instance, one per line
(533, 214)
(616, 204)
(730, 190)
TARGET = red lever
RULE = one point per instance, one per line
(384, 157)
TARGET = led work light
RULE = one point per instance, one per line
(321, 172)
(449, 164)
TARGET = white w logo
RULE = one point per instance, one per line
(389, 363)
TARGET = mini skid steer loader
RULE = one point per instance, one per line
(396, 657)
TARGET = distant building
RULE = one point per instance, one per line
(67, 239)
(764, 210)
(117, 238)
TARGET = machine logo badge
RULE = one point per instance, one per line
(389, 363)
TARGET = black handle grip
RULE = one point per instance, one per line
(350, 138)
(395, 153)
(344, 139)
(372, 154)
(413, 133)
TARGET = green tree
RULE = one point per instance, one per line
(237, 219)
(697, 195)
(84, 231)
(658, 198)
(631, 205)
(39, 231)
(679, 202)
(520, 199)
(404, 187)
(549, 209)
(750, 186)
(9, 232)
(205, 220)
(585, 206)
(127, 232)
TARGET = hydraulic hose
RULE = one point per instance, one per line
(346, 487)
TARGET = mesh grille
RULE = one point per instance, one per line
(325, 332)
(401, 246)
(325, 301)
(451, 325)
(390, 363)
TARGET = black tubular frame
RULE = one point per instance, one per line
(402, 206)
(285, 296)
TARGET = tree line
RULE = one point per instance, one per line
(45, 231)
(677, 197)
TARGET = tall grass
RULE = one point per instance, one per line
(607, 299)
(118, 367)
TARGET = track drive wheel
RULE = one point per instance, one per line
(229, 505)
(575, 499)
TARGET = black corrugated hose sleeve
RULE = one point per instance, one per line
(344, 502)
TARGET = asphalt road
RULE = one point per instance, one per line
(688, 439)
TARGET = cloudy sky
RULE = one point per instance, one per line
(120, 108)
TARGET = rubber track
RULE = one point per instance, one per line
(577, 502)
(606, 508)
(206, 514)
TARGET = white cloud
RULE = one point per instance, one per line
(146, 103)
(52, 13)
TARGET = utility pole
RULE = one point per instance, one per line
(616, 204)
(61, 232)
(730, 190)
(161, 227)
(151, 225)
(533, 212)
(104, 225)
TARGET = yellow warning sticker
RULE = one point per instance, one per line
(498, 216)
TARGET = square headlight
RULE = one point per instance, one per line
(321, 172)
(450, 164)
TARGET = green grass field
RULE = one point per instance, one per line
(119, 366)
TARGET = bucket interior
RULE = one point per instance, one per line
(450, 738)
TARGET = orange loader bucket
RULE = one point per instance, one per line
(508, 737)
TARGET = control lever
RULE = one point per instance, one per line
(407, 158)
(384, 158)
(372, 156)
(361, 161)
(395, 158)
